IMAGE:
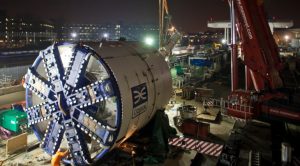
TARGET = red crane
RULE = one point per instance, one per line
(264, 85)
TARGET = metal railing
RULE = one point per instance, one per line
(224, 105)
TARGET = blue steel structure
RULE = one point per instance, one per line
(69, 100)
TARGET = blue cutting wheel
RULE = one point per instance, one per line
(73, 102)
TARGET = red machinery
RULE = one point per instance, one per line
(263, 92)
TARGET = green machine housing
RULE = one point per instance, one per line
(13, 120)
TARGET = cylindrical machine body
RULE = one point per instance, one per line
(133, 66)
(94, 97)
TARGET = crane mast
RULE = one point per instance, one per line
(164, 21)
(259, 50)
(260, 55)
(168, 35)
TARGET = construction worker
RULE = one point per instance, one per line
(55, 161)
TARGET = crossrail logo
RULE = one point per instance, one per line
(139, 98)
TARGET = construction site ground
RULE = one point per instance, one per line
(255, 135)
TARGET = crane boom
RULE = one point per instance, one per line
(168, 35)
(268, 97)
(166, 7)
(259, 49)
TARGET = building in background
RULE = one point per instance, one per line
(98, 32)
(138, 32)
(87, 32)
(2, 27)
(17, 32)
(22, 31)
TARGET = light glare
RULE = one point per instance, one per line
(149, 41)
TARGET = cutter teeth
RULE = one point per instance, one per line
(76, 97)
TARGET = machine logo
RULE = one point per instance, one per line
(139, 98)
(139, 94)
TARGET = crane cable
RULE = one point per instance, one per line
(166, 7)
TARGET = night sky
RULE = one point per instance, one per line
(188, 15)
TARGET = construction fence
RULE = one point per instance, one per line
(9, 75)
